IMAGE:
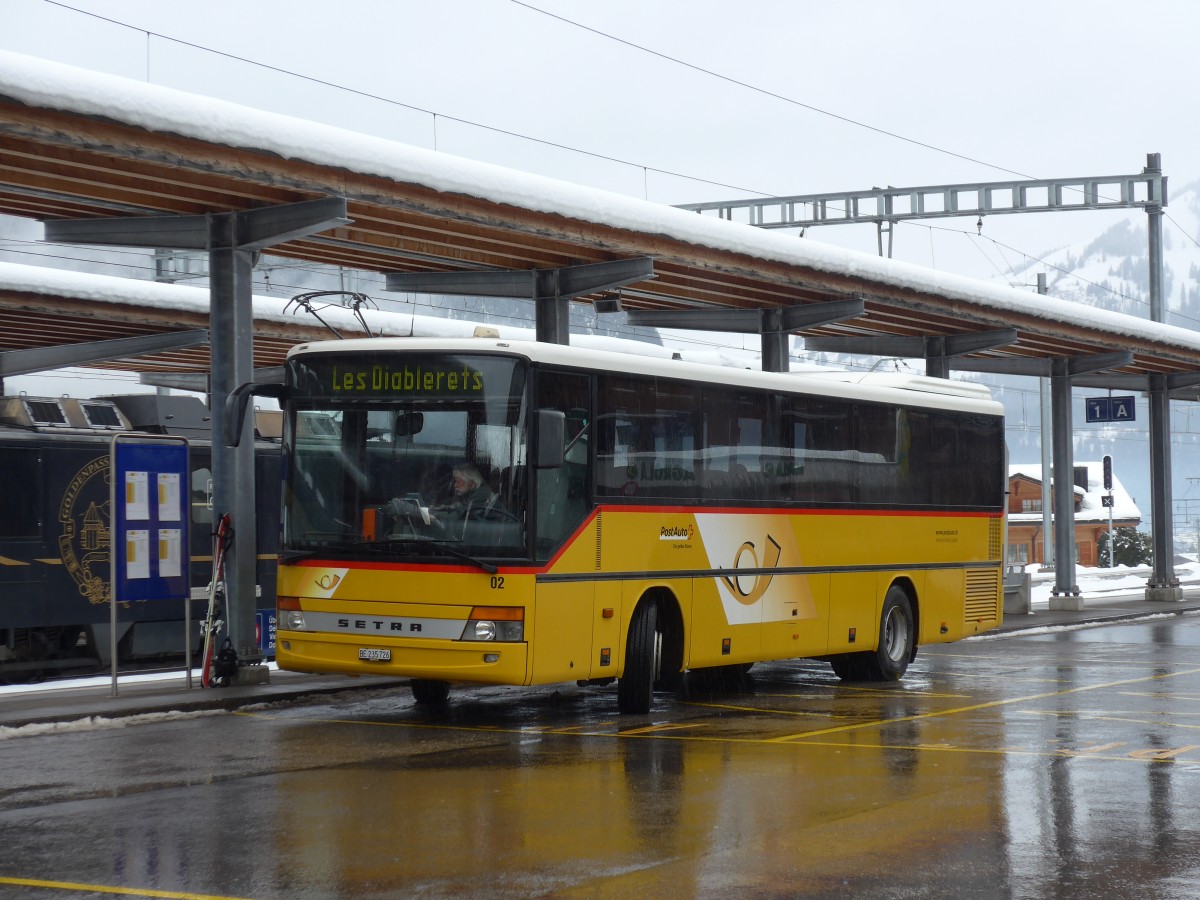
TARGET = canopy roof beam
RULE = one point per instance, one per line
(772, 324)
(936, 350)
(43, 359)
(550, 289)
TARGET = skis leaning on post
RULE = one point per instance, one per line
(216, 594)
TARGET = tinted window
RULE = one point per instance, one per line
(738, 462)
(648, 445)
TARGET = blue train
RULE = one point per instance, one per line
(54, 533)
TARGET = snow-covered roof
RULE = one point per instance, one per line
(45, 84)
(1091, 507)
(195, 300)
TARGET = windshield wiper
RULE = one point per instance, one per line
(440, 543)
(287, 556)
(386, 543)
(311, 551)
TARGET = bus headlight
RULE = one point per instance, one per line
(495, 623)
(291, 616)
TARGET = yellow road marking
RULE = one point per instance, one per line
(652, 729)
(656, 732)
(1163, 754)
(573, 731)
(1098, 748)
(107, 889)
(991, 704)
(1102, 717)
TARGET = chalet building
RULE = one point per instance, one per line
(1025, 538)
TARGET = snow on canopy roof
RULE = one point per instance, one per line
(195, 300)
(41, 83)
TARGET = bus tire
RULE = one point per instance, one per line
(635, 688)
(850, 667)
(428, 692)
(897, 637)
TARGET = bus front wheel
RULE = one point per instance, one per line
(428, 692)
(635, 688)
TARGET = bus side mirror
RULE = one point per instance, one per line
(235, 407)
(551, 432)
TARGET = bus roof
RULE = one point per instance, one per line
(880, 387)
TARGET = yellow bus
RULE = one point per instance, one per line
(502, 512)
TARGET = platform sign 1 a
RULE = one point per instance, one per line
(1110, 409)
(149, 503)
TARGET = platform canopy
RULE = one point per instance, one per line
(77, 144)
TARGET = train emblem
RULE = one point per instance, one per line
(85, 538)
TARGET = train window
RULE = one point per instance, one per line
(46, 412)
(19, 505)
(100, 415)
(201, 491)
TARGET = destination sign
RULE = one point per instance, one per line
(393, 377)
(418, 379)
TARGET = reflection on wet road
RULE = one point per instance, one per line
(1065, 765)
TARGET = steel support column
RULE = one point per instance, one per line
(1044, 441)
(1163, 585)
(232, 240)
(1065, 594)
(232, 328)
(552, 319)
(775, 341)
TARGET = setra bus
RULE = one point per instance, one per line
(490, 511)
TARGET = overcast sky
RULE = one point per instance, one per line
(770, 96)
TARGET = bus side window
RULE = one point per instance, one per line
(562, 492)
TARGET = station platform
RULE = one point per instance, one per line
(59, 705)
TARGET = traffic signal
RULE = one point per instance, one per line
(1108, 473)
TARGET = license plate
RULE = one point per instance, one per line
(374, 654)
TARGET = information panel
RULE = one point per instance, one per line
(149, 518)
(148, 500)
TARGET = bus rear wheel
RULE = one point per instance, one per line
(897, 641)
(428, 692)
(635, 688)
(897, 637)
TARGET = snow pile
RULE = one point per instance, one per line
(1098, 583)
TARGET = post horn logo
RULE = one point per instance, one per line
(328, 581)
(761, 579)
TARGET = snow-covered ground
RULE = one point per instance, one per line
(1096, 584)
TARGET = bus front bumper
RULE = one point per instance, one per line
(442, 660)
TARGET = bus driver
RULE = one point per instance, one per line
(473, 498)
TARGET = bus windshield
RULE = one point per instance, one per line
(412, 456)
